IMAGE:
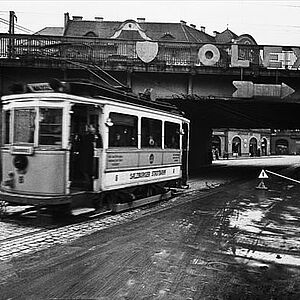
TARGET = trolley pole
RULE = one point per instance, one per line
(11, 31)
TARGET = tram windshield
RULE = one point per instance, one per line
(24, 125)
(50, 132)
(50, 125)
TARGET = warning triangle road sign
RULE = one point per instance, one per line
(261, 186)
(263, 174)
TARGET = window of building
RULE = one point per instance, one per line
(24, 125)
(123, 132)
(151, 133)
(172, 131)
(50, 126)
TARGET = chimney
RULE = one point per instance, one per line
(193, 25)
(202, 28)
(183, 22)
(77, 18)
(216, 33)
(141, 20)
(66, 19)
(99, 19)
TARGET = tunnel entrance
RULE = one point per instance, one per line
(206, 113)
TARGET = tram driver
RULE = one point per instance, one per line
(90, 139)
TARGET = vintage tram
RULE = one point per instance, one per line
(77, 143)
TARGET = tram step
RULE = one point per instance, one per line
(118, 207)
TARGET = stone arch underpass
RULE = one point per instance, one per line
(207, 113)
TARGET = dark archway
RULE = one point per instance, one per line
(253, 147)
(236, 146)
(282, 146)
(216, 146)
(264, 147)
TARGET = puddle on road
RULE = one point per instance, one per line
(259, 258)
(264, 222)
(253, 217)
(247, 220)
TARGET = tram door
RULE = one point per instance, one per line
(185, 143)
(84, 139)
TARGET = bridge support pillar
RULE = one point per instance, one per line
(190, 84)
(200, 146)
(129, 79)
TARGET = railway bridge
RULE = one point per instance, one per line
(217, 85)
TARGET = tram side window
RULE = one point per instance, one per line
(50, 126)
(24, 125)
(151, 133)
(172, 135)
(123, 133)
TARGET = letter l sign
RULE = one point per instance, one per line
(235, 62)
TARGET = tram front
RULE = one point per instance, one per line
(35, 138)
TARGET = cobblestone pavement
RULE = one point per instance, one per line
(17, 240)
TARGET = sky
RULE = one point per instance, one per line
(269, 22)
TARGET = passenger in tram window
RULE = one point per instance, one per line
(151, 141)
(118, 140)
(173, 144)
(133, 141)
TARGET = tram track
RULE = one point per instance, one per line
(42, 236)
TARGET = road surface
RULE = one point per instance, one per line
(231, 242)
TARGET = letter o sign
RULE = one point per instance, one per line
(209, 55)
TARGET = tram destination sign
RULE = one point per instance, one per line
(248, 89)
(39, 87)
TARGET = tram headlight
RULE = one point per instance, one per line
(20, 162)
(109, 122)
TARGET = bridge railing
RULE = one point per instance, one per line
(104, 51)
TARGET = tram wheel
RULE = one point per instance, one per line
(104, 201)
(60, 211)
(99, 202)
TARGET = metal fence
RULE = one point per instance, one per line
(99, 51)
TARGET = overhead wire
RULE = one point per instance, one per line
(84, 67)
(16, 26)
(108, 75)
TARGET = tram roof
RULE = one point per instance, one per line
(91, 90)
